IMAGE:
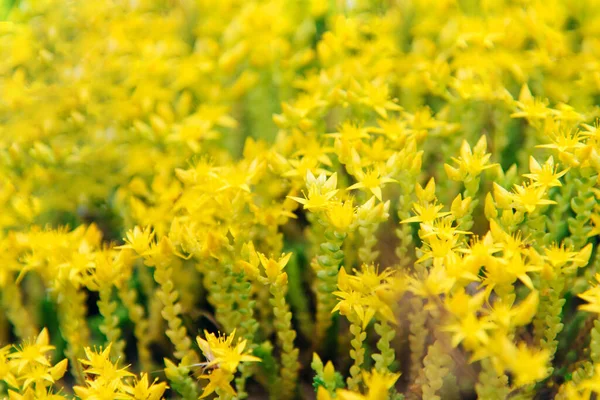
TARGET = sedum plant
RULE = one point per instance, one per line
(368, 199)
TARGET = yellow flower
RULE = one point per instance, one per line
(426, 213)
(110, 269)
(559, 255)
(370, 212)
(143, 390)
(519, 267)
(592, 132)
(436, 281)
(272, 267)
(471, 162)
(354, 302)
(341, 215)
(250, 267)
(566, 141)
(98, 364)
(351, 132)
(480, 252)
(592, 296)
(320, 192)
(138, 239)
(161, 253)
(313, 148)
(36, 374)
(546, 175)
(323, 394)
(367, 293)
(372, 181)
(6, 374)
(441, 228)
(460, 207)
(31, 354)
(471, 330)
(595, 218)
(575, 392)
(376, 96)
(220, 351)
(426, 194)
(592, 383)
(525, 197)
(530, 107)
(462, 304)
(30, 394)
(528, 366)
(218, 379)
(507, 315)
(95, 391)
(104, 380)
(440, 241)
(378, 384)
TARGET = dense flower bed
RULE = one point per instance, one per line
(360, 199)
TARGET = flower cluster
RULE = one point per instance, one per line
(28, 371)
(224, 357)
(405, 192)
(104, 380)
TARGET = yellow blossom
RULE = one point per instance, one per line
(372, 181)
(220, 351)
(341, 215)
(546, 175)
(31, 354)
(471, 330)
(528, 366)
(144, 390)
(426, 213)
(321, 190)
(471, 161)
(378, 384)
(530, 107)
(273, 268)
(592, 296)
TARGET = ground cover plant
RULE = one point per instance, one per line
(307, 199)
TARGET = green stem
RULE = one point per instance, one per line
(285, 338)
(357, 353)
(329, 262)
(386, 355)
(110, 322)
